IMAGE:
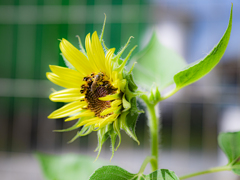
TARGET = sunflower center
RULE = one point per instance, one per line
(96, 86)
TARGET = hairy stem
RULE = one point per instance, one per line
(153, 122)
(212, 170)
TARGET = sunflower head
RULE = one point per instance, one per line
(99, 92)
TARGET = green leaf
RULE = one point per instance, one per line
(236, 168)
(110, 173)
(201, 68)
(156, 63)
(230, 144)
(117, 173)
(69, 166)
(160, 65)
(162, 174)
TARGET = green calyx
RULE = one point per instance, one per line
(154, 95)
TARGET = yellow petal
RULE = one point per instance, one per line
(89, 122)
(105, 121)
(67, 95)
(75, 57)
(93, 122)
(108, 62)
(108, 111)
(90, 53)
(68, 109)
(82, 114)
(68, 74)
(98, 53)
(61, 82)
(122, 84)
(116, 103)
(110, 97)
(118, 111)
(115, 78)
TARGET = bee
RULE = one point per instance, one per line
(97, 78)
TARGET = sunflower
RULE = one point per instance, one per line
(99, 92)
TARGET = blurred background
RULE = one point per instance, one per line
(191, 119)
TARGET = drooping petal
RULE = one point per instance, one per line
(87, 113)
(67, 95)
(67, 110)
(116, 103)
(105, 121)
(90, 121)
(109, 110)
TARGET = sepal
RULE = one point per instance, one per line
(128, 120)
(102, 137)
(83, 132)
(110, 131)
(67, 63)
(75, 126)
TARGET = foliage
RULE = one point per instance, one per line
(230, 144)
(164, 67)
(117, 173)
(69, 166)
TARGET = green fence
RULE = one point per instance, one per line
(30, 32)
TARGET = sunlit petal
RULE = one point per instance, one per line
(87, 113)
(68, 74)
(67, 95)
(75, 57)
(61, 82)
(67, 110)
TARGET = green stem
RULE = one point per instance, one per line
(145, 162)
(169, 94)
(212, 170)
(154, 129)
